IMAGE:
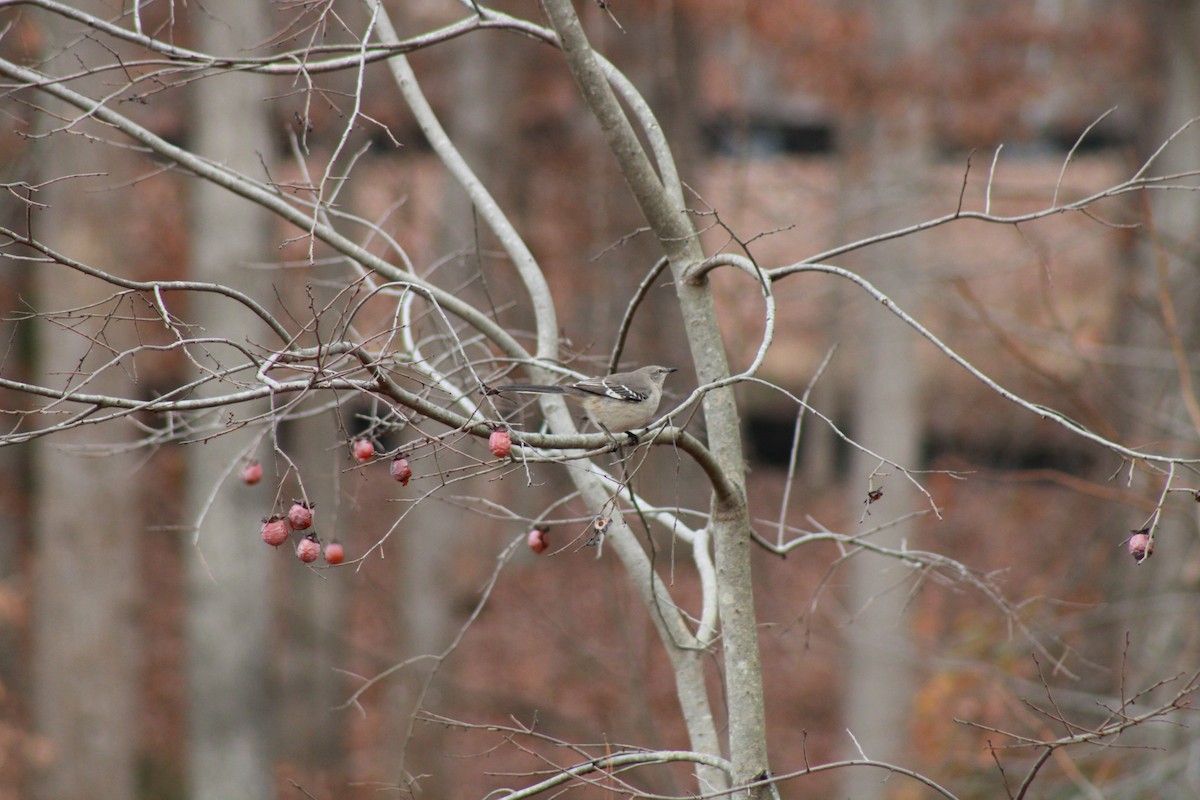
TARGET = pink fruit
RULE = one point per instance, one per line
(252, 472)
(537, 540)
(364, 450)
(334, 553)
(1140, 546)
(400, 470)
(308, 549)
(500, 443)
(300, 515)
(274, 530)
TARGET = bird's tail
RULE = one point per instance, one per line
(530, 388)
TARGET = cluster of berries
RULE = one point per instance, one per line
(276, 529)
(500, 443)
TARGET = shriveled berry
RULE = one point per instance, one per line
(252, 472)
(500, 443)
(364, 450)
(400, 470)
(300, 515)
(537, 540)
(334, 553)
(1140, 546)
(274, 530)
(308, 549)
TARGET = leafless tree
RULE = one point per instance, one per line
(423, 354)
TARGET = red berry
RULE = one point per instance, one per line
(537, 540)
(252, 472)
(364, 449)
(300, 515)
(334, 553)
(274, 530)
(500, 443)
(308, 549)
(1140, 546)
(400, 470)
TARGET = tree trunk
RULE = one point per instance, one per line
(887, 153)
(430, 587)
(228, 615)
(661, 203)
(16, 492)
(1165, 640)
(87, 525)
(311, 732)
(86, 515)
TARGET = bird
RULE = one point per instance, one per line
(621, 402)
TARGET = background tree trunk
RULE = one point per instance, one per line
(228, 618)
(16, 502)
(311, 732)
(441, 564)
(888, 161)
(1166, 638)
(87, 525)
(86, 507)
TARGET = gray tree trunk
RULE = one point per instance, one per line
(889, 158)
(230, 715)
(878, 671)
(86, 504)
(87, 525)
(311, 731)
(429, 592)
(1164, 636)
(16, 477)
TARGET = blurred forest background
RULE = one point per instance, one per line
(799, 126)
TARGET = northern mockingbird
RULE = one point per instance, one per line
(619, 402)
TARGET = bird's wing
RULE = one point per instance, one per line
(605, 387)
